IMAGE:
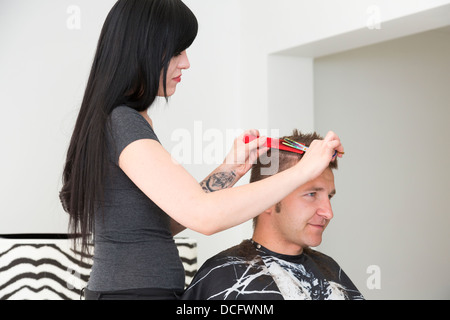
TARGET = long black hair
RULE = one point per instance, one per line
(136, 44)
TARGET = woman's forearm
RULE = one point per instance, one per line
(224, 214)
(222, 177)
(146, 162)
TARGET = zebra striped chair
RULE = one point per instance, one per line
(43, 266)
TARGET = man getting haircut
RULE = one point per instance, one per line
(278, 262)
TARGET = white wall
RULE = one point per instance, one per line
(308, 29)
(290, 94)
(390, 103)
(43, 70)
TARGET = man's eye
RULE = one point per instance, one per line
(311, 194)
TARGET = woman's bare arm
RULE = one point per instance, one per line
(222, 177)
(175, 191)
(237, 163)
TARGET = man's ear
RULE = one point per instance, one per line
(269, 210)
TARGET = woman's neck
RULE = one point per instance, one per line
(146, 117)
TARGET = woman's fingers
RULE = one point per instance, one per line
(334, 143)
(256, 148)
(320, 153)
(247, 148)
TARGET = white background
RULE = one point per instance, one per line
(253, 62)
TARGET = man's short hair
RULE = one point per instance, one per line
(265, 167)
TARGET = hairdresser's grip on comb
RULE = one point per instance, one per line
(248, 138)
(275, 144)
(287, 145)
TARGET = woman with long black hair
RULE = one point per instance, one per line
(119, 183)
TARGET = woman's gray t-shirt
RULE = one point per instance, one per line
(133, 245)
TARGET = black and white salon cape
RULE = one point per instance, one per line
(251, 272)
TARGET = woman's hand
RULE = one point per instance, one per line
(243, 155)
(319, 155)
(236, 164)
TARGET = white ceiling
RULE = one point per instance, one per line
(433, 19)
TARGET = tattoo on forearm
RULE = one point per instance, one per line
(218, 181)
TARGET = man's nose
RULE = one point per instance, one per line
(325, 210)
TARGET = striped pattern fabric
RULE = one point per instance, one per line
(38, 267)
(187, 249)
(44, 267)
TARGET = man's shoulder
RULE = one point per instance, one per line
(245, 251)
(233, 274)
